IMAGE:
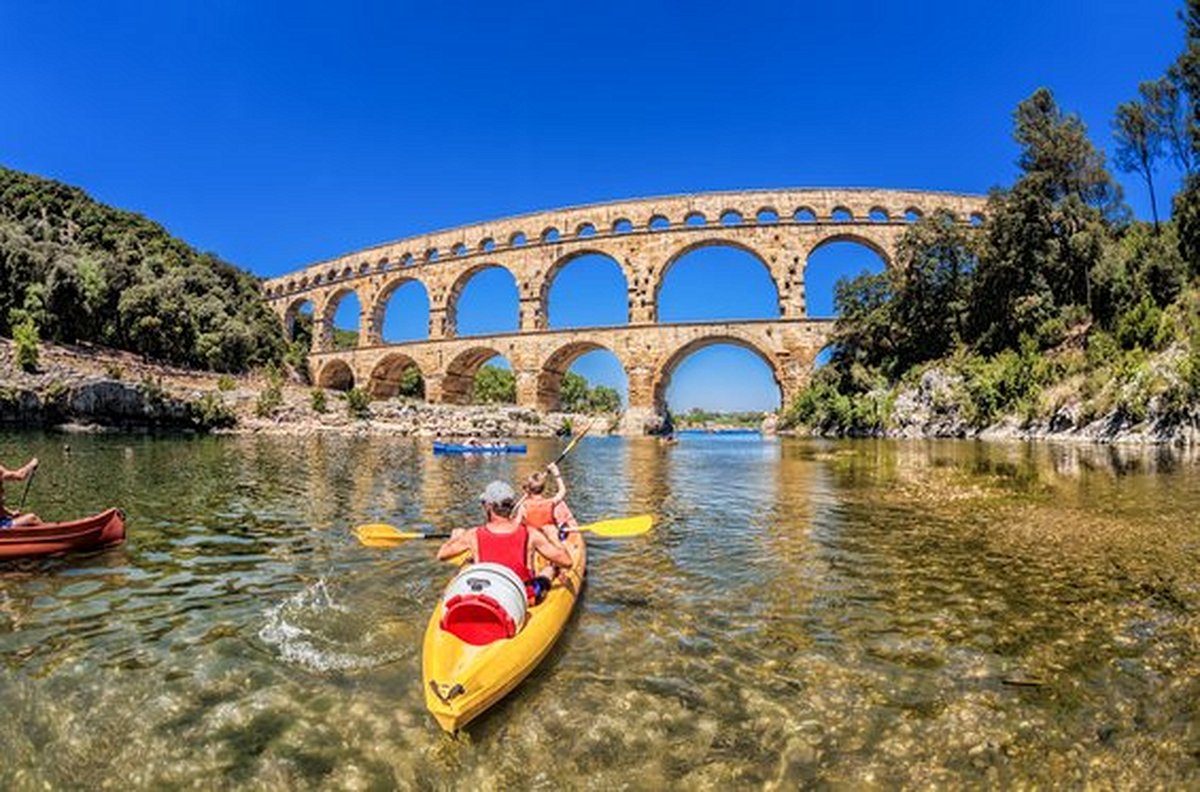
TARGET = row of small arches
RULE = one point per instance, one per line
(657, 222)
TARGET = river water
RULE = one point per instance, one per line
(805, 613)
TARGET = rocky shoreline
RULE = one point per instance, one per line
(929, 410)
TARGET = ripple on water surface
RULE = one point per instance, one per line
(922, 614)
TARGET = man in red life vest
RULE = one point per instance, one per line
(502, 540)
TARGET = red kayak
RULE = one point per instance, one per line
(91, 533)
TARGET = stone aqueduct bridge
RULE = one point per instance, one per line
(645, 237)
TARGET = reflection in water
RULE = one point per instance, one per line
(805, 612)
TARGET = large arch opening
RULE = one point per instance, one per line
(298, 326)
(402, 312)
(336, 375)
(714, 280)
(483, 301)
(582, 376)
(718, 375)
(343, 313)
(396, 375)
(586, 289)
(835, 260)
(480, 375)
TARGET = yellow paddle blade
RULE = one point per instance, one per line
(623, 526)
(384, 535)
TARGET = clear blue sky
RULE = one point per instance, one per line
(277, 134)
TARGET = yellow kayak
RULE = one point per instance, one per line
(462, 680)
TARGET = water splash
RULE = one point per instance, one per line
(312, 630)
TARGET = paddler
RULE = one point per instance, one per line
(547, 515)
(13, 519)
(503, 540)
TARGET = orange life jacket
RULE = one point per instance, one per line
(539, 512)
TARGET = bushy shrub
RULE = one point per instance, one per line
(210, 412)
(226, 383)
(25, 344)
(271, 397)
(114, 371)
(358, 403)
(317, 398)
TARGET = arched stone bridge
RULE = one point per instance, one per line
(782, 228)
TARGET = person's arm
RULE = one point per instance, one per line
(558, 481)
(457, 544)
(555, 555)
(20, 473)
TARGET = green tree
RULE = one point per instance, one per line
(604, 399)
(1139, 145)
(575, 392)
(494, 385)
(1046, 235)
(932, 289)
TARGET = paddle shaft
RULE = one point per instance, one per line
(25, 494)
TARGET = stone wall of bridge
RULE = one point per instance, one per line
(645, 237)
(539, 359)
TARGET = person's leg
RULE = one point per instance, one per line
(25, 520)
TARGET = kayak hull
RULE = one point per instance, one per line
(458, 448)
(462, 681)
(99, 531)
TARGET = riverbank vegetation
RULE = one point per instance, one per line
(1060, 311)
(74, 270)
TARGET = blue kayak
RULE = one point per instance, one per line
(459, 448)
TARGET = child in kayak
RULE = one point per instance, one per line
(12, 519)
(503, 540)
(546, 515)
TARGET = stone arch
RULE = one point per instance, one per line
(707, 243)
(456, 289)
(328, 310)
(459, 379)
(292, 313)
(876, 246)
(561, 263)
(557, 364)
(820, 283)
(335, 374)
(665, 367)
(384, 382)
(378, 310)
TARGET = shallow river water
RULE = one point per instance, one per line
(804, 613)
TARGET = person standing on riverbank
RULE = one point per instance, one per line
(12, 519)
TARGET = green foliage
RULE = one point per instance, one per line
(25, 345)
(577, 395)
(1008, 381)
(821, 406)
(318, 401)
(83, 271)
(270, 398)
(411, 384)
(114, 371)
(153, 391)
(210, 412)
(226, 383)
(1142, 327)
(358, 403)
(494, 385)
(704, 418)
(344, 339)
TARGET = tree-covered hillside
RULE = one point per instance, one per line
(77, 270)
